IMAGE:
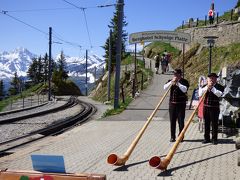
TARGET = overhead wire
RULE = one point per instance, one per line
(6, 13)
(85, 17)
(87, 28)
(37, 29)
(34, 10)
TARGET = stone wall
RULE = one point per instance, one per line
(227, 33)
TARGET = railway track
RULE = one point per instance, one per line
(10, 146)
(15, 118)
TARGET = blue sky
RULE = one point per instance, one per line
(68, 22)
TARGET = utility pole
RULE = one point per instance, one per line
(118, 53)
(183, 49)
(86, 84)
(135, 71)
(109, 64)
(143, 51)
(50, 64)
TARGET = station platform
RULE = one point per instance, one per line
(86, 147)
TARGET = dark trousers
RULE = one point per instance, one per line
(176, 112)
(211, 19)
(210, 115)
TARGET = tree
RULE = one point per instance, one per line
(62, 66)
(60, 73)
(37, 71)
(40, 70)
(114, 28)
(1, 89)
(238, 4)
(45, 68)
(14, 89)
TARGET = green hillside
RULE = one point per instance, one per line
(196, 61)
(158, 47)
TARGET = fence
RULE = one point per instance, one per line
(229, 16)
(24, 102)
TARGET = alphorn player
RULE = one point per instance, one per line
(177, 101)
(211, 108)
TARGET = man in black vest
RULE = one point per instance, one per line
(211, 108)
(177, 102)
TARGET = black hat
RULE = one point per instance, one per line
(177, 71)
(213, 75)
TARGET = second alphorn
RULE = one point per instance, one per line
(119, 161)
(156, 161)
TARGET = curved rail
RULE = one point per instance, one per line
(54, 129)
(20, 110)
(14, 119)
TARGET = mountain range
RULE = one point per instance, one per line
(20, 59)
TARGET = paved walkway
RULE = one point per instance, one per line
(86, 148)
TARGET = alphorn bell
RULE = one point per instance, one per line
(119, 161)
(156, 161)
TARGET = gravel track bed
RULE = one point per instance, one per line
(48, 106)
(11, 131)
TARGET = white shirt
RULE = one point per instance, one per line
(181, 87)
(214, 90)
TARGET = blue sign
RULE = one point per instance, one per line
(48, 163)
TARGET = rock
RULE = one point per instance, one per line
(230, 103)
(238, 158)
(238, 143)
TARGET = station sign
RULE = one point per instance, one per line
(165, 36)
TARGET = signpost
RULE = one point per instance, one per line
(164, 36)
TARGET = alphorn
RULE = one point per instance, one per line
(156, 161)
(114, 159)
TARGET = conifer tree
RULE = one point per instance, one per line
(32, 70)
(114, 28)
(238, 4)
(60, 73)
(36, 71)
(40, 73)
(62, 66)
(45, 68)
(14, 89)
(1, 89)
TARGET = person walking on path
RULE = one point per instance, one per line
(201, 83)
(157, 62)
(211, 14)
(177, 101)
(211, 107)
(164, 63)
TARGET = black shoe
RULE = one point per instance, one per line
(172, 140)
(206, 141)
(215, 142)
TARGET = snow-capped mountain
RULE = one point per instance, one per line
(20, 59)
(76, 67)
(15, 61)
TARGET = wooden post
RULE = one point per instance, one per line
(142, 82)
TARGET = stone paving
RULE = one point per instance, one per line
(86, 147)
